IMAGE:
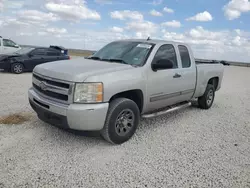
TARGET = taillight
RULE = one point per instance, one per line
(69, 57)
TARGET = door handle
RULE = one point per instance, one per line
(177, 75)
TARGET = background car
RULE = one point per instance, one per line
(8, 46)
(27, 58)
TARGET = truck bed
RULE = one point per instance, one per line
(205, 71)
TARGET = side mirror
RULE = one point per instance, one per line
(16, 46)
(162, 64)
(30, 55)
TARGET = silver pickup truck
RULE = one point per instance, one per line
(125, 80)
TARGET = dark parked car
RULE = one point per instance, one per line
(27, 58)
(225, 63)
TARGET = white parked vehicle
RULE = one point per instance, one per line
(7, 46)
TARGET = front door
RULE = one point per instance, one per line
(164, 86)
(35, 57)
(9, 46)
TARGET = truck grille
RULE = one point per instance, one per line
(53, 89)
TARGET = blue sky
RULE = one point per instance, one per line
(214, 29)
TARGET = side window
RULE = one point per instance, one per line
(8, 43)
(52, 53)
(185, 58)
(167, 51)
(38, 52)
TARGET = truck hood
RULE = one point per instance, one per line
(79, 69)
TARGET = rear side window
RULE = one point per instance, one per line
(38, 52)
(185, 57)
(167, 51)
(52, 53)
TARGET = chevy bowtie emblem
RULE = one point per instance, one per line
(43, 85)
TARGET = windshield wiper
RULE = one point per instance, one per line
(94, 57)
(121, 61)
(118, 60)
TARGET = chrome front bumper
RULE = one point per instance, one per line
(89, 117)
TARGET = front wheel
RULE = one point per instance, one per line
(207, 99)
(122, 121)
(17, 68)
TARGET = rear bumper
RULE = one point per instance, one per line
(88, 117)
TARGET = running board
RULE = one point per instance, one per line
(168, 110)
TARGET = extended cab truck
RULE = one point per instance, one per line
(126, 79)
(8, 46)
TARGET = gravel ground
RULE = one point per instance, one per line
(189, 148)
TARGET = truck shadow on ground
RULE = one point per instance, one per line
(146, 126)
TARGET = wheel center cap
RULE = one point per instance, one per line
(125, 122)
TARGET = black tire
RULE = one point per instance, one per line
(206, 101)
(17, 68)
(117, 108)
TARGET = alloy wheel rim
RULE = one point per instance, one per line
(18, 68)
(124, 122)
(210, 97)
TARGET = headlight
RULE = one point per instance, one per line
(88, 93)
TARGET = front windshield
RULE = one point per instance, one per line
(24, 50)
(129, 52)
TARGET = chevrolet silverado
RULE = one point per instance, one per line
(125, 80)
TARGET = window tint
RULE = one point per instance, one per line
(166, 51)
(53, 53)
(38, 52)
(185, 58)
(8, 43)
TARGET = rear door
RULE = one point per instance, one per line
(53, 55)
(187, 72)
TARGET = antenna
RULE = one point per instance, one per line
(148, 38)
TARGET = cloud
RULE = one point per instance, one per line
(1, 5)
(201, 17)
(36, 16)
(117, 29)
(126, 14)
(200, 33)
(142, 26)
(168, 10)
(156, 2)
(235, 8)
(56, 30)
(103, 1)
(15, 4)
(228, 45)
(72, 10)
(174, 23)
(142, 29)
(155, 13)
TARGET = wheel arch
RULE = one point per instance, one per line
(214, 81)
(135, 95)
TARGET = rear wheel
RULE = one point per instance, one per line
(17, 68)
(206, 101)
(122, 121)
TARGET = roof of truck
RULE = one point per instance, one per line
(153, 41)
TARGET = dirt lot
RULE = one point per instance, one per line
(190, 148)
